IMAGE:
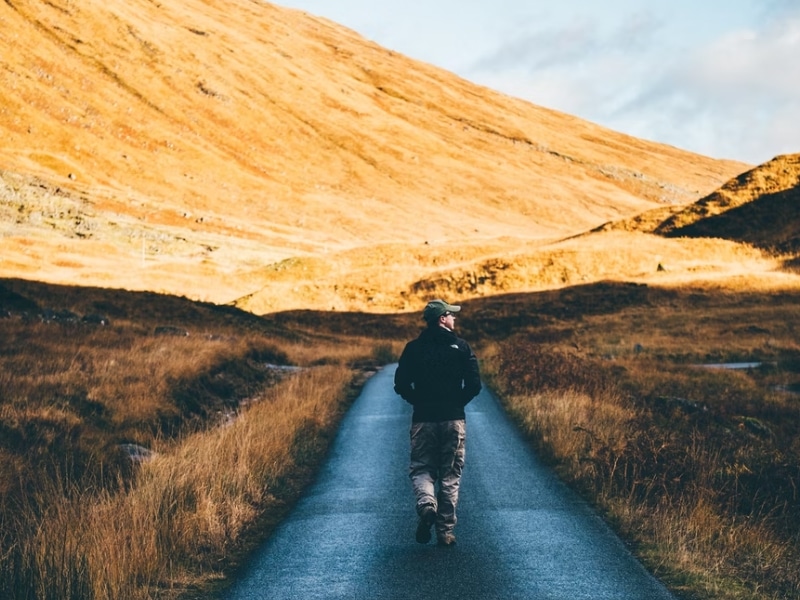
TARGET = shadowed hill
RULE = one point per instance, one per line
(190, 147)
(760, 207)
(768, 187)
(781, 174)
(772, 222)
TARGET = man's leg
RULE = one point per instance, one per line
(423, 472)
(451, 464)
(424, 469)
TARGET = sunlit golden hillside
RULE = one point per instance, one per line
(241, 152)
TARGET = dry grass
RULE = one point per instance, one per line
(181, 519)
(697, 467)
(235, 438)
(763, 225)
(244, 152)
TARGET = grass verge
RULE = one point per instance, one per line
(696, 467)
(232, 437)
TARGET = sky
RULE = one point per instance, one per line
(717, 77)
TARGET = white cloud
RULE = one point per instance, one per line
(533, 51)
(578, 42)
(736, 97)
(756, 62)
(733, 96)
(583, 69)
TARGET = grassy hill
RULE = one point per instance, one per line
(196, 147)
(760, 207)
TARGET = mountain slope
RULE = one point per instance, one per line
(759, 207)
(191, 146)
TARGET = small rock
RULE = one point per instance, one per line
(136, 452)
(170, 330)
(94, 319)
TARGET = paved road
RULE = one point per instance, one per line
(521, 533)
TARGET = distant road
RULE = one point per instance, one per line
(521, 533)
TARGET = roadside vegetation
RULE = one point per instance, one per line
(147, 441)
(697, 468)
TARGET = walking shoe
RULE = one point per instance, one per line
(447, 540)
(427, 518)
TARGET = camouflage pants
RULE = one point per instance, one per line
(437, 456)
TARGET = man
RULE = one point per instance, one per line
(438, 375)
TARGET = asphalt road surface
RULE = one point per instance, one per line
(521, 533)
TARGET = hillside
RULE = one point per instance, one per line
(756, 214)
(224, 149)
(760, 207)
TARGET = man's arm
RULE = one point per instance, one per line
(472, 376)
(403, 376)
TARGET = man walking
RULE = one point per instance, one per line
(438, 375)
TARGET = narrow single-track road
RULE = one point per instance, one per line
(521, 532)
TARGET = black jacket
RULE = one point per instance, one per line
(438, 374)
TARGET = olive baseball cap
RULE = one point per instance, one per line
(436, 308)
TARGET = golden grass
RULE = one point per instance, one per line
(684, 536)
(335, 176)
(779, 176)
(235, 437)
(400, 278)
(696, 467)
(189, 159)
(181, 519)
